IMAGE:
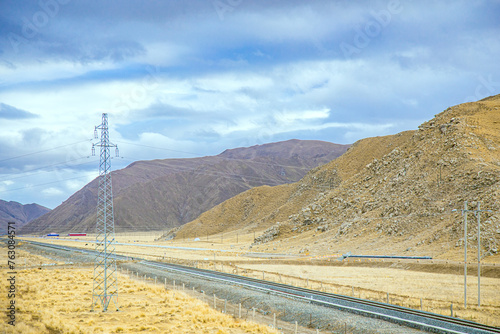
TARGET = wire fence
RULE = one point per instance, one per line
(253, 314)
(417, 303)
(443, 307)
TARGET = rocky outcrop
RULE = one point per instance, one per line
(399, 193)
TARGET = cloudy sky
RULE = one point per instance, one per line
(194, 77)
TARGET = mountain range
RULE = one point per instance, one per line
(162, 194)
(397, 194)
(19, 214)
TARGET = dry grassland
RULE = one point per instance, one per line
(405, 287)
(58, 301)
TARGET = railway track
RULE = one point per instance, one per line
(413, 318)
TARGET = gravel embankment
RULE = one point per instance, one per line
(307, 315)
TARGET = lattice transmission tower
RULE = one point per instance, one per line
(105, 286)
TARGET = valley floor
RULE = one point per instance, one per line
(435, 286)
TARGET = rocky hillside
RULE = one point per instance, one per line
(385, 195)
(161, 194)
(19, 213)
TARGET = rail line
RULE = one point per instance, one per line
(405, 316)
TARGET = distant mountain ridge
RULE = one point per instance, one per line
(161, 194)
(19, 213)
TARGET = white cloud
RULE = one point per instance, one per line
(74, 185)
(52, 191)
(164, 53)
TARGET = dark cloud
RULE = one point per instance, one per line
(203, 78)
(170, 121)
(10, 112)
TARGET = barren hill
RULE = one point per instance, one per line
(161, 194)
(19, 213)
(385, 195)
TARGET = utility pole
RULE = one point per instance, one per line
(465, 254)
(464, 213)
(105, 286)
(478, 215)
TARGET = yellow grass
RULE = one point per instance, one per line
(59, 300)
(405, 287)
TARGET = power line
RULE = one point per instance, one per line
(41, 169)
(43, 151)
(180, 169)
(199, 155)
(159, 148)
(196, 170)
(45, 184)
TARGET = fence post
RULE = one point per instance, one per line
(253, 313)
(296, 327)
(387, 297)
(421, 305)
(274, 320)
(174, 284)
(182, 286)
(451, 309)
(225, 305)
(215, 303)
(239, 311)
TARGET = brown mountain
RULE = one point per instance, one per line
(19, 213)
(161, 194)
(386, 195)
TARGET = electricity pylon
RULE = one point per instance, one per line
(105, 286)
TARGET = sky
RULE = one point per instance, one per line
(182, 79)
